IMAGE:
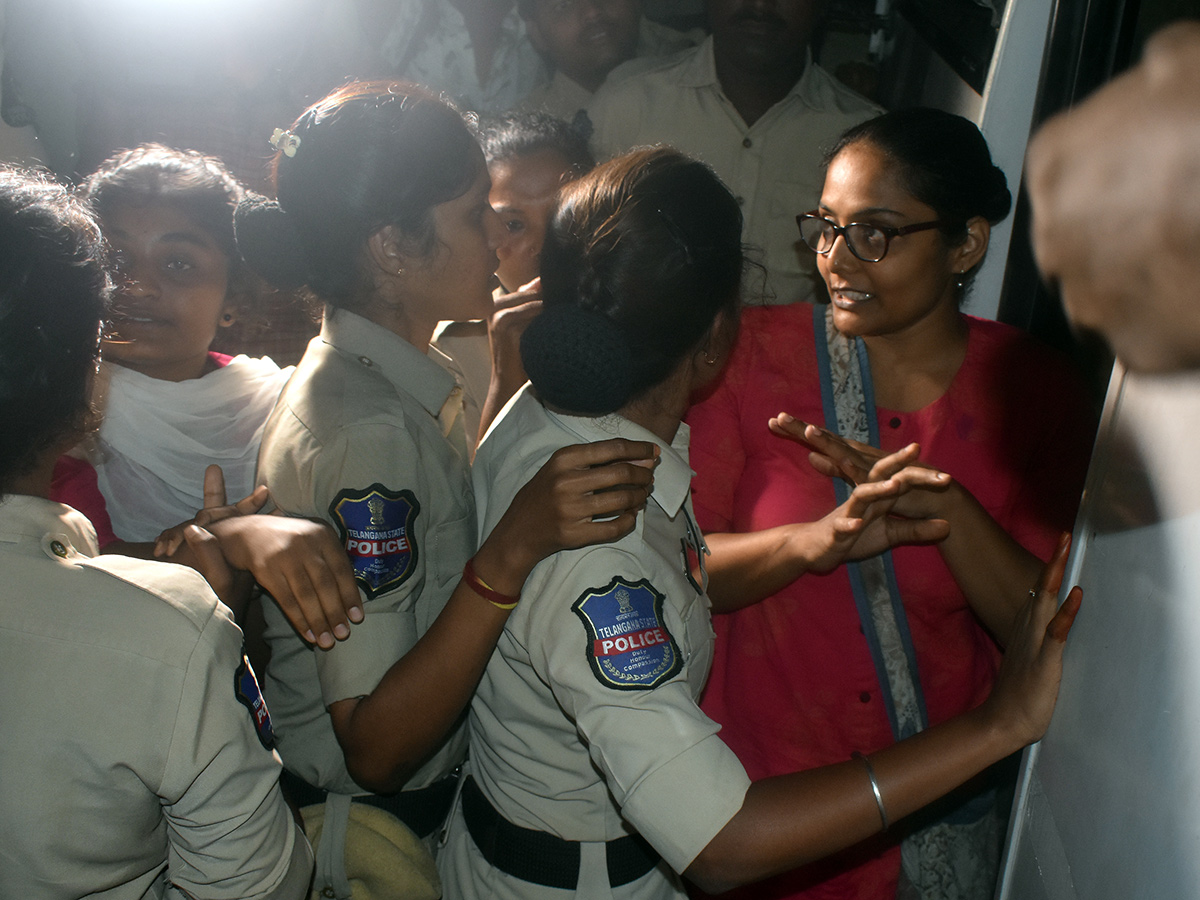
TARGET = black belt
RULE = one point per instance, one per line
(423, 810)
(542, 858)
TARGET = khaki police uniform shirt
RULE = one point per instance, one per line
(131, 763)
(357, 440)
(586, 723)
(774, 167)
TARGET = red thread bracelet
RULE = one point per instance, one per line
(486, 591)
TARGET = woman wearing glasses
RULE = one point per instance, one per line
(852, 657)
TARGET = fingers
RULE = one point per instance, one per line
(1050, 579)
(1048, 586)
(916, 531)
(209, 560)
(214, 487)
(341, 589)
(169, 542)
(824, 438)
(521, 296)
(312, 604)
(519, 313)
(247, 506)
(313, 583)
(606, 530)
(582, 456)
(889, 465)
(788, 426)
(1060, 625)
(824, 465)
(254, 501)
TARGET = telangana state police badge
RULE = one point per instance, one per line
(376, 528)
(245, 688)
(631, 649)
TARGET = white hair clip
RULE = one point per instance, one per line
(285, 142)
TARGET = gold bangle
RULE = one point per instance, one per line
(482, 589)
(874, 789)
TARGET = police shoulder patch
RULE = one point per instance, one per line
(245, 688)
(630, 648)
(376, 528)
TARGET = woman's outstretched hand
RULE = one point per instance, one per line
(1026, 688)
(864, 525)
(910, 486)
(837, 457)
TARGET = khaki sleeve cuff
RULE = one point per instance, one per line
(683, 805)
(354, 667)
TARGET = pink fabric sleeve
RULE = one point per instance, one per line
(74, 483)
(716, 450)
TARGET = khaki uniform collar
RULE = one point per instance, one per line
(393, 357)
(672, 478)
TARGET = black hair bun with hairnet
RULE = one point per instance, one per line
(578, 360)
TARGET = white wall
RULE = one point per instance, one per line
(17, 145)
(1005, 117)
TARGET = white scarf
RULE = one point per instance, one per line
(158, 436)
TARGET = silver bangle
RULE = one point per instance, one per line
(874, 789)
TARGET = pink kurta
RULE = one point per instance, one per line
(792, 681)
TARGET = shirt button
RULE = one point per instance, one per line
(747, 143)
(59, 549)
(895, 422)
(365, 360)
(864, 697)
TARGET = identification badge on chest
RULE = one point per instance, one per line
(630, 647)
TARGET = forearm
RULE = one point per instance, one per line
(136, 549)
(387, 735)
(746, 568)
(791, 820)
(994, 572)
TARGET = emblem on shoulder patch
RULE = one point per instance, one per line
(631, 649)
(375, 526)
(245, 688)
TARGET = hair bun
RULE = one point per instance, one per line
(997, 204)
(269, 243)
(578, 360)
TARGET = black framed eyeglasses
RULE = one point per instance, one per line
(868, 242)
